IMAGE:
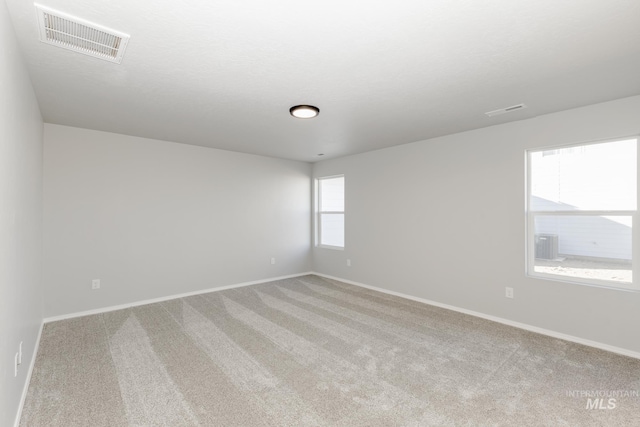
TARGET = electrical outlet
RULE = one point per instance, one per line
(95, 284)
(348, 263)
(20, 354)
(273, 261)
(508, 292)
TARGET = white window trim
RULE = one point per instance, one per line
(318, 222)
(530, 216)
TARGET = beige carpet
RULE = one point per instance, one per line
(310, 351)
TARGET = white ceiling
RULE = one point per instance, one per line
(223, 74)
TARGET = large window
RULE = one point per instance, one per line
(330, 221)
(582, 205)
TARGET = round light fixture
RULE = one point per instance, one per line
(304, 111)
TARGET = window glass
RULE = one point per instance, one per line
(330, 221)
(582, 202)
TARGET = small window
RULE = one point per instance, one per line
(330, 221)
(582, 204)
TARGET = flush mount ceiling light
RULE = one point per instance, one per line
(304, 111)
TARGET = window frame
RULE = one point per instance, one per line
(530, 217)
(320, 212)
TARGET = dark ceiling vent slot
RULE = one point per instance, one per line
(69, 32)
(506, 110)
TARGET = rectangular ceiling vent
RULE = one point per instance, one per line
(506, 110)
(69, 32)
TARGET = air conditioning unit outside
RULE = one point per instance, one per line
(546, 246)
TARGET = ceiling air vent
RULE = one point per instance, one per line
(506, 110)
(69, 32)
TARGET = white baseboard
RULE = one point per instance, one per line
(554, 334)
(169, 297)
(32, 363)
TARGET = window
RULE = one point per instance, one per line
(330, 221)
(582, 203)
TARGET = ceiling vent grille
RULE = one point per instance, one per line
(69, 32)
(506, 110)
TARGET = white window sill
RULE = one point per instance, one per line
(335, 248)
(628, 287)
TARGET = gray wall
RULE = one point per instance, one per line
(444, 220)
(153, 218)
(20, 220)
